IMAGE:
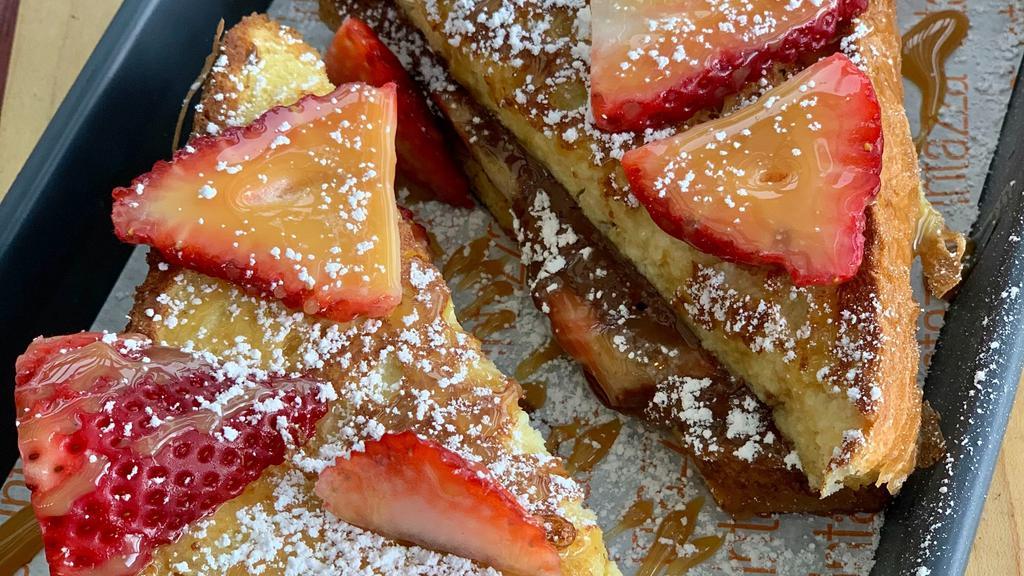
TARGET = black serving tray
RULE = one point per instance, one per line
(59, 260)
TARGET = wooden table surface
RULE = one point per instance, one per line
(52, 40)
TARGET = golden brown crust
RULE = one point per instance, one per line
(156, 283)
(837, 364)
(259, 64)
(893, 429)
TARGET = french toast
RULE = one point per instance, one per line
(635, 355)
(608, 317)
(412, 370)
(837, 363)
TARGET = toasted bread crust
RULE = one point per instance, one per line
(892, 444)
(288, 68)
(837, 363)
(260, 64)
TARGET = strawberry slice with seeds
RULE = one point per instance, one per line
(784, 181)
(605, 348)
(299, 205)
(357, 54)
(415, 490)
(655, 63)
(125, 444)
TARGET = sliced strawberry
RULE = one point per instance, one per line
(659, 62)
(416, 490)
(784, 181)
(357, 55)
(419, 231)
(577, 326)
(606, 347)
(125, 444)
(299, 205)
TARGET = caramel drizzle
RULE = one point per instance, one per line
(673, 532)
(20, 540)
(562, 433)
(487, 295)
(535, 392)
(58, 500)
(474, 264)
(926, 47)
(590, 446)
(467, 258)
(638, 513)
(494, 322)
(539, 357)
(535, 395)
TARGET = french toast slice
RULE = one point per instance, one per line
(753, 472)
(836, 363)
(413, 370)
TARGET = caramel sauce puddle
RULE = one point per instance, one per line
(592, 446)
(487, 295)
(563, 433)
(926, 47)
(535, 392)
(535, 395)
(494, 322)
(466, 258)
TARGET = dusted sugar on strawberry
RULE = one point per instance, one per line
(125, 444)
(655, 63)
(416, 490)
(784, 181)
(299, 205)
(357, 55)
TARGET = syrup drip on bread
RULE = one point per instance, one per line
(926, 46)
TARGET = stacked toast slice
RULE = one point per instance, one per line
(635, 355)
(403, 388)
(836, 362)
(265, 64)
